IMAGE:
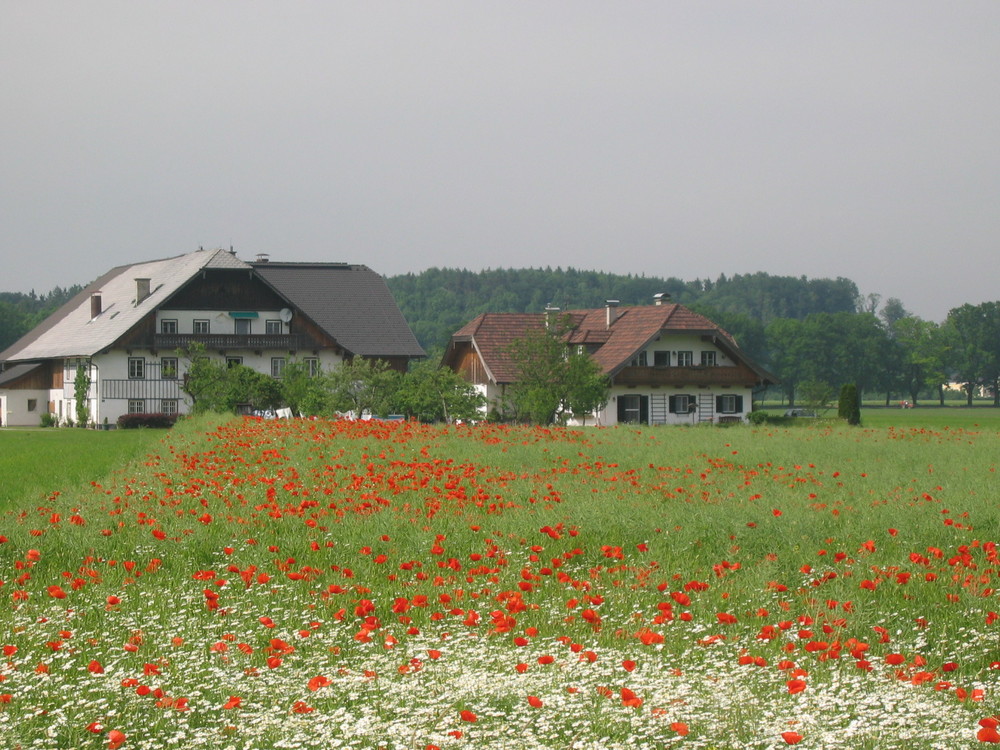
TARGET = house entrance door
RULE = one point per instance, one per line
(633, 409)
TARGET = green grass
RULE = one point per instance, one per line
(37, 462)
(805, 526)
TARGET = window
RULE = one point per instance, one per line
(685, 359)
(168, 326)
(168, 406)
(661, 358)
(201, 326)
(277, 366)
(232, 362)
(136, 368)
(136, 406)
(168, 368)
(32, 404)
(242, 326)
(272, 326)
(682, 404)
(708, 359)
(729, 403)
(312, 365)
(640, 360)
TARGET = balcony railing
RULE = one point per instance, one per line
(288, 342)
(697, 375)
(141, 389)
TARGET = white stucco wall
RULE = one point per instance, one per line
(114, 366)
(14, 405)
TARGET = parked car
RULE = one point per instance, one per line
(800, 413)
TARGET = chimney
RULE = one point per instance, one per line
(661, 299)
(141, 290)
(95, 305)
(550, 314)
(611, 306)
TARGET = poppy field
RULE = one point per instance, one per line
(322, 584)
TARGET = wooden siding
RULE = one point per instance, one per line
(49, 375)
(470, 366)
(680, 376)
(225, 290)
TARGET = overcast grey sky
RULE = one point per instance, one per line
(688, 139)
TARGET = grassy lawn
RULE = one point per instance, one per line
(36, 462)
(308, 584)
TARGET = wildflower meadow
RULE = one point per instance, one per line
(323, 584)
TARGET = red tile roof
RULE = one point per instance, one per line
(493, 333)
(631, 329)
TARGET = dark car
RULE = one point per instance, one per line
(800, 413)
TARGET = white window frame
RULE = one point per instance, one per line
(168, 325)
(136, 406)
(273, 327)
(168, 368)
(277, 367)
(168, 406)
(685, 359)
(312, 365)
(200, 327)
(708, 358)
(136, 368)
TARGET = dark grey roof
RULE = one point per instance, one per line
(350, 302)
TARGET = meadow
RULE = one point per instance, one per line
(298, 584)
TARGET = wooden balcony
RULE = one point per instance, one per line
(283, 342)
(693, 376)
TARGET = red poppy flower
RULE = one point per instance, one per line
(680, 727)
(796, 686)
(95, 667)
(468, 716)
(319, 681)
(628, 665)
(791, 738)
(630, 699)
(233, 702)
(115, 739)
(535, 701)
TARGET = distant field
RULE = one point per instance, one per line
(931, 417)
(36, 462)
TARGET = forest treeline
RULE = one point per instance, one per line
(20, 312)
(438, 301)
